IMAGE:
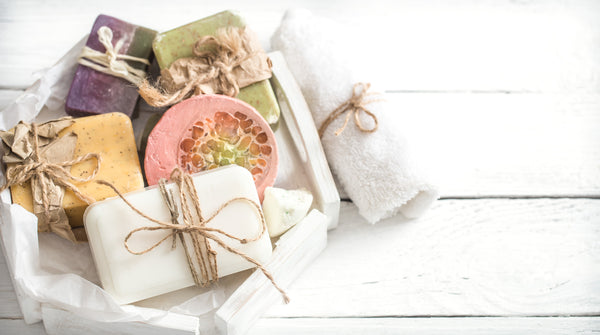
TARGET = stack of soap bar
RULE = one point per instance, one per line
(178, 43)
(128, 277)
(110, 135)
(94, 92)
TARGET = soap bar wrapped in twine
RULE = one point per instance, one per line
(111, 61)
(35, 153)
(201, 256)
(222, 64)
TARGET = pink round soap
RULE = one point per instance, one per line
(208, 131)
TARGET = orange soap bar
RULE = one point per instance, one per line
(110, 135)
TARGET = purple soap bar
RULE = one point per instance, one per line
(93, 92)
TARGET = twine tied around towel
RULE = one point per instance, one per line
(47, 170)
(201, 256)
(355, 105)
(221, 64)
(111, 62)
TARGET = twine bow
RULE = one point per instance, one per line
(221, 64)
(202, 257)
(111, 62)
(45, 174)
(355, 105)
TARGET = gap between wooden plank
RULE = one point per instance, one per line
(497, 257)
(365, 326)
(464, 91)
(492, 145)
(550, 45)
(584, 325)
(450, 316)
(517, 197)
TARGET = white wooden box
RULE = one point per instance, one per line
(249, 295)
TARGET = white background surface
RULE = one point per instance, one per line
(502, 101)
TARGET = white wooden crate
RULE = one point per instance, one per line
(302, 164)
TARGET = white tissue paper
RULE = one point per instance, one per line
(375, 169)
(51, 270)
(56, 280)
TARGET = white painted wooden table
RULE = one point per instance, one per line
(501, 99)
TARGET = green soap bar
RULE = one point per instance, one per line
(261, 96)
(179, 42)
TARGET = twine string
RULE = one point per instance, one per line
(213, 64)
(111, 62)
(353, 106)
(42, 170)
(190, 222)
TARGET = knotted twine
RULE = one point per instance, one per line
(111, 62)
(354, 105)
(202, 257)
(222, 64)
(47, 170)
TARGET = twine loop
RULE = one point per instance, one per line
(40, 168)
(354, 105)
(188, 224)
(220, 64)
(111, 62)
(222, 57)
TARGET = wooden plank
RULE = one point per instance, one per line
(465, 257)
(9, 305)
(465, 45)
(511, 145)
(494, 144)
(497, 257)
(429, 326)
(18, 326)
(384, 326)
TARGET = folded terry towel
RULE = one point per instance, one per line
(374, 168)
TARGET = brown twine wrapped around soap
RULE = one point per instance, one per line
(47, 170)
(203, 264)
(355, 105)
(221, 64)
(111, 61)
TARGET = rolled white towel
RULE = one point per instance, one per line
(374, 168)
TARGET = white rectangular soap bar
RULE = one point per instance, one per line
(130, 277)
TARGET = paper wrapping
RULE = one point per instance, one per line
(18, 145)
(222, 64)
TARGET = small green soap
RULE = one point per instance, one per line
(179, 42)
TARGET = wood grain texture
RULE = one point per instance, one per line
(495, 257)
(9, 305)
(429, 326)
(499, 99)
(463, 258)
(458, 45)
(385, 326)
(516, 145)
(9, 327)
(498, 145)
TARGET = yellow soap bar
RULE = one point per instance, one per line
(110, 135)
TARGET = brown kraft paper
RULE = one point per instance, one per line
(222, 64)
(24, 163)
